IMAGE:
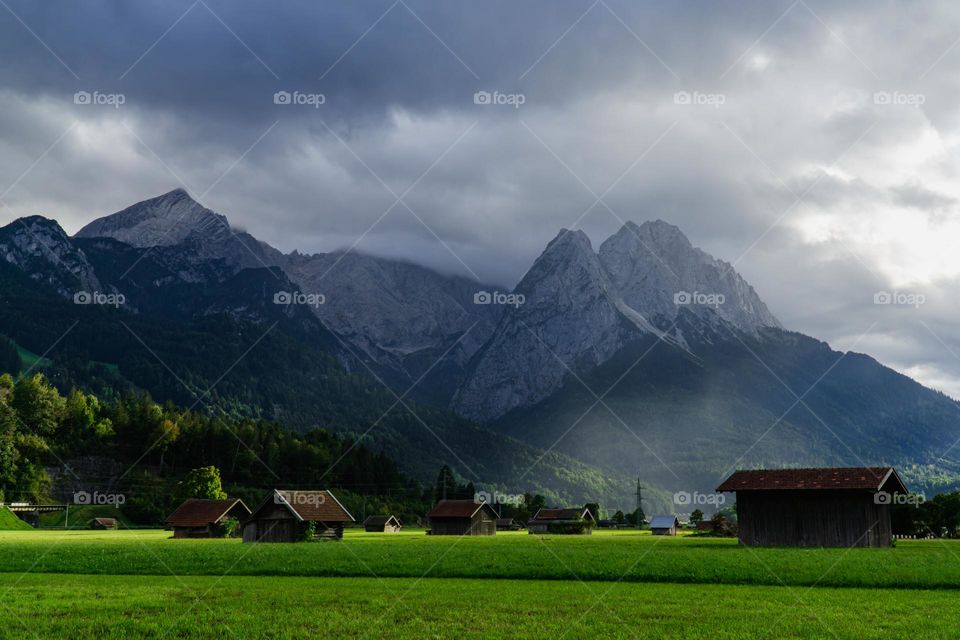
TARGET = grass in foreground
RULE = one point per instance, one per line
(634, 558)
(80, 607)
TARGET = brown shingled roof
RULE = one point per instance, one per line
(853, 478)
(458, 509)
(550, 515)
(312, 506)
(197, 512)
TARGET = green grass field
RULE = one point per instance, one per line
(10, 522)
(86, 584)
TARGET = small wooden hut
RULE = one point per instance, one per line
(293, 516)
(462, 518)
(381, 524)
(507, 524)
(563, 521)
(103, 523)
(664, 525)
(202, 518)
(833, 507)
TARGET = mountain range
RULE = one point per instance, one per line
(646, 356)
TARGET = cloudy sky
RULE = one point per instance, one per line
(812, 144)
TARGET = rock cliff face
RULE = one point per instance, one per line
(582, 307)
(176, 219)
(43, 250)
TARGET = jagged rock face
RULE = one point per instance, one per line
(569, 319)
(43, 250)
(392, 310)
(650, 264)
(162, 221)
(177, 219)
(583, 307)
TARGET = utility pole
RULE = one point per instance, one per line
(639, 510)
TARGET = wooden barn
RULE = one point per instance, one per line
(103, 523)
(201, 518)
(664, 525)
(289, 516)
(381, 524)
(462, 518)
(844, 507)
(564, 521)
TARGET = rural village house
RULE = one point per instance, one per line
(381, 524)
(292, 516)
(200, 518)
(569, 521)
(844, 507)
(664, 525)
(462, 518)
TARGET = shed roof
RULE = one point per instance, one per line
(380, 521)
(552, 515)
(108, 522)
(459, 509)
(663, 522)
(198, 512)
(838, 479)
(309, 506)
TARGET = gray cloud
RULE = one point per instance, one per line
(792, 105)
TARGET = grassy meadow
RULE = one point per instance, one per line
(86, 584)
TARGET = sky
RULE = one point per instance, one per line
(813, 145)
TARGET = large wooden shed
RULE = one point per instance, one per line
(288, 516)
(834, 507)
(201, 518)
(462, 518)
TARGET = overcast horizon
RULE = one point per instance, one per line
(810, 144)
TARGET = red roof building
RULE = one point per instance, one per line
(201, 518)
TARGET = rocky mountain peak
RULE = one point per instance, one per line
(165, 220)
(582, 307)
(656, 270)
(41, 248)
